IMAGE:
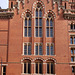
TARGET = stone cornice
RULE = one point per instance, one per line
(69, 14)
(6, 13)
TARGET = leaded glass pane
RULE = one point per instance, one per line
(51, 23)
(51, 32)
(36, 32)
(29, 32)
(36, 13)
(36, 21)
(71, 40)
(40, 49)
(47, 30)
(36, 50)
(25, 22)
(40, 22)
(47, 22)
(25, 49)
(29, 49)
(29, 22)
(40, 13)
(40, 32)
(52, 51)
(48, 50)
(40, 68)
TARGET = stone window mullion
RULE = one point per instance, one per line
(27, 27)
(73, 39)
(50, 68)
(49, 27)
(38, 22)
(38, 68)
(38, 48)
(27, 48)
(49, 49)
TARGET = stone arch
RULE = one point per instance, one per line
(26, 58)
(51, 59)
(51, 12)
(39, 1)
(38, 59)
(25, 12)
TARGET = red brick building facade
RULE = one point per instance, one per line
(37, 37)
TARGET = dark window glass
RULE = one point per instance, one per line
(36, 32)
(40, 22)
(36, 67)
(36, 13)
(71, 26)
(29, 22)
(74, 50)
(40, 68)
(74, 26)
(48, 50)
(47, 29)
(40, 49)
(47, 22)
(72, 59)
(29, 32)
(36, 50)
(29, 49)
(11, 4)
(4, 70)
(36, 21)
(65, 5)
(51, 23)
(72, 69)
(24, 67)
(74, 40)
(52, 52)
(40, 13)
(25, 22)
(71, 39)
(40, 32)
(25, 31)
(51, 68)
(51, 32)
(48, 68)
(25, 49)
(71, 51)
(29, 68)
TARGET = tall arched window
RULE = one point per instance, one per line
(38, 67)
(27, 26)
(27, 67)
(38, 19)
(49, 26)
(50, 67)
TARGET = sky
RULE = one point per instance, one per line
(4, 4)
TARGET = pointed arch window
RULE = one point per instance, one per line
(49, 26)
(27, 26)
(38, 19)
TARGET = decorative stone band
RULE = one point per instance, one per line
(6, 13)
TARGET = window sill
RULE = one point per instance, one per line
(37, 55)
(37, 74)
(72, 45)
(25, 74)
(71, 30)
(72, 62)
(50, 74)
